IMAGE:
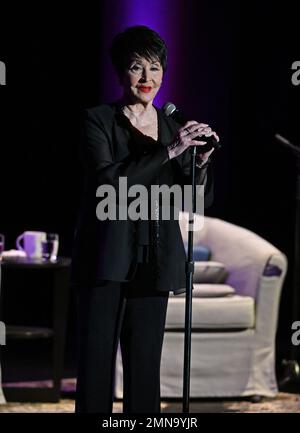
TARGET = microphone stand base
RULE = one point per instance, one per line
(291, 375)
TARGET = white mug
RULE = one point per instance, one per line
(32, 243)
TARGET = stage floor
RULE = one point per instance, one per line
(284, 402)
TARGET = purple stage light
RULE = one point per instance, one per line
(162, 16)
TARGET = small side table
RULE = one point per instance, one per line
(60, 293)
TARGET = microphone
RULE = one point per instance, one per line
(287, 143)
(170, 110)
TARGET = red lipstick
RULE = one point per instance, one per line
(145, 89)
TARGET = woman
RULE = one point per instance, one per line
(123, 270)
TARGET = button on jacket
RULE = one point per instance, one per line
(108, 250)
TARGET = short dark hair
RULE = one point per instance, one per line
(137, 41)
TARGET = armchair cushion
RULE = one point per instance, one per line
(209, 291)
(210, 272)
(227, 312)
(200, 252)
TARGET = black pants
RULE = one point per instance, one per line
(135, 313)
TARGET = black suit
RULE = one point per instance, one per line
(107, 250)
(119, 297)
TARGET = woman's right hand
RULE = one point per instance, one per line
(185, 137)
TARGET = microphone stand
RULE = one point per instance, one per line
(292, 369)
(189, 271)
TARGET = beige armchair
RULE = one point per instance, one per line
(234, 322)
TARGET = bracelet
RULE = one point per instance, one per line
(173, 145)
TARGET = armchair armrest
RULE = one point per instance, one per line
(244, 253)
(268, 297)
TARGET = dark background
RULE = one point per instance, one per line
(52, 53)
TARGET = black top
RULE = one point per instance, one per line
(110, 249)
(146, 228)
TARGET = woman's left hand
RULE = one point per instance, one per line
(205, 130)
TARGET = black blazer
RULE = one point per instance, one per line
(107, 250)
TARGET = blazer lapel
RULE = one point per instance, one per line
(165, 130)
(121, 135)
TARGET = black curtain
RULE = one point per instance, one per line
(243, 55)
